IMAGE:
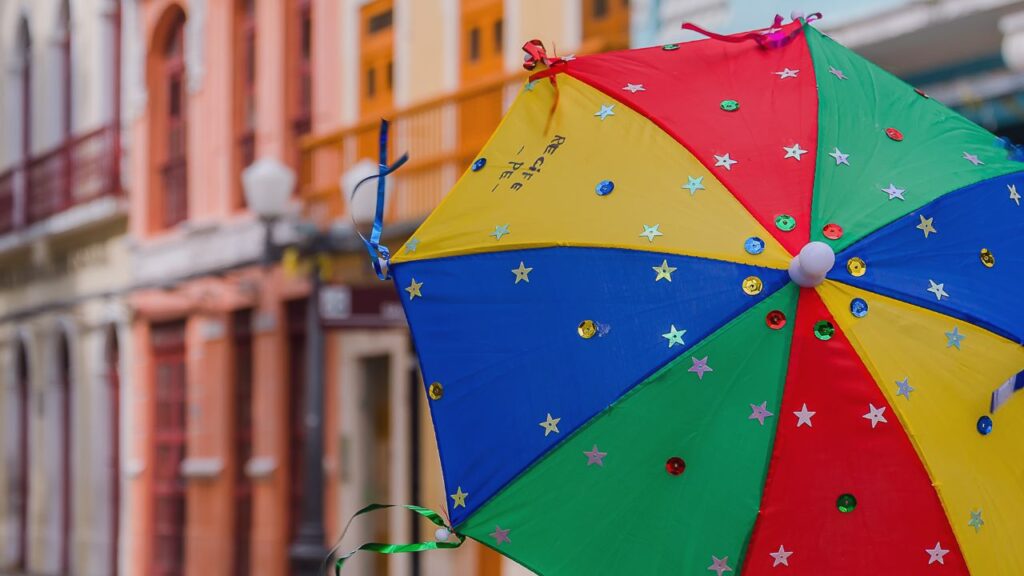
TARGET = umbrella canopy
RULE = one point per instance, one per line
(641, 359)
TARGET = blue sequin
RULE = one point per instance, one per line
(858, 307)
(604, 187)
(479, 163)
(754, 245)
(984, 425)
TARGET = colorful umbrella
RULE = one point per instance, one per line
(640, 358)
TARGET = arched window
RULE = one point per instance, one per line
(64, 477)
(169, 121)
(25, 55)
(245, 87)
(19, 482)
(113, 358)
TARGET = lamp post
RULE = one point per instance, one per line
(268, 186)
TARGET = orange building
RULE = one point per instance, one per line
(215, 444)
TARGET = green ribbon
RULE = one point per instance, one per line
(395, 548)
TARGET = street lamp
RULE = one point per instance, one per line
(268, 186)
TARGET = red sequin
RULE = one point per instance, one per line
(832, 231)
(675, 466)
(894, 134)
(921, 93)
(775, 319)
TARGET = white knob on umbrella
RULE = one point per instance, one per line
(809, 267)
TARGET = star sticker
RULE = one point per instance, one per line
(794, 151)
(664, 271)
(875, 415)
(414, 289)
(459, 498)
(836, 72)
(894, 192)
(976, 521)
(700, 367)
(759, 413)
(634, 88)
(500, 231)
(550, 425)
(651, 231)
(595, 457)
(803, 416)
(953, 338)
(694, 184)
(724, 161)
(674, 336)
(936, 554)
(972, 159)
(926, 226)
(522, 273)
(904, 388)
(937, 289)
(568, 58)
(840, 157)
(412, 245)
(719, 565)
(786, 73)
(781, 557)
(605, 111)
(1013, 193)
(500, 535)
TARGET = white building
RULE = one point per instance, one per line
(63, 266)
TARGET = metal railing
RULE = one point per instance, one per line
(441, 135)
(81, 169)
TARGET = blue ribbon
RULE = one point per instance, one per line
(380, 256)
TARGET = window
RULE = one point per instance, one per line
(169, 122)
(168, 345)
(499, 36)
(376, 60)
(483, 33)
(245, 90)
(302, 49)
(19, 500)
(64, 417)
(474, 44)
(25, 54)
(605, 24)
(242, 332)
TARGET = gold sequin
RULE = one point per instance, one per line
(856, 267)
(587, 329)
(752, 285)
(987, 258)
(436, 391)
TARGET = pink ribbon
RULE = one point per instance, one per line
(770, 37)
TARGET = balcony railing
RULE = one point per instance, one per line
(442, 136)
(81, 169)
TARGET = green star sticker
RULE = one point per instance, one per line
(674, 336)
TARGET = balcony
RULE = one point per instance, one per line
(82, 169)
(441, 135)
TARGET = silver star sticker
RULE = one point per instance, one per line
(937, 289)
(803, 416)
(972, 159)
(605, 111)
(894, 192)
(840, 157)
(936, 554)
(976, 521)
(724, 161)
(786, 73)
(500, 231)
(759, 412)
(904, 388)
(650, 232)
(836, 72)
(793, 151)
(876, 415)
(954, 338)
(634, 88)
(781, 557)
(412, 245)
(694, 184)
(1013, 193)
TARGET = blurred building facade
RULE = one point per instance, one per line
(152, 366)
(63, 271)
